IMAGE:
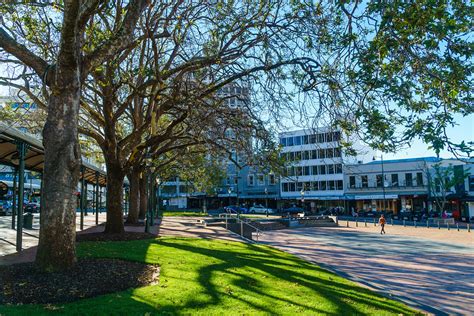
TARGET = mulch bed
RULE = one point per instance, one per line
(24, 284)
(114, 237)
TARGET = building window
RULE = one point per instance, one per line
(314, 154)
(315, 170)
(419, 178)
(291, 187)
(331, 185)
(322, 153)
(297, 155)
(299, 186)
(339, 185)
(285, 187)
(314, 186)
(313, 139)
(352, 182)
(321, 138)
(306, 155)
(260, 179)
(250, 180)
(395, 180)
(322, 169)
(471, 183)
(408, 179)
(331, 169)
(338, 168)
(337, 152)
(329, 137)
(289, 141)
(291, 171)
(437, 185)
(271, 179)
(283, 141)
(305, 139)
(365, 181)
(299, 171)
(337, 136)
(379, 180)
(297, 140)
(292, 156)
(306, 171)
(329, 152)
(322, 185)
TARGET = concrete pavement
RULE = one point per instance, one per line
(429, 270)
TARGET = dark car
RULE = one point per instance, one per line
(293, 210)
(236, 209)
(32, 208)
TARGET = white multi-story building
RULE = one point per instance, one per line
(314, 167)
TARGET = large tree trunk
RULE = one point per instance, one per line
(143, 196)
(62, 160)
(134, 210)
(115, 177)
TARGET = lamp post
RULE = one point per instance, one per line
(266, 201)
(158, 191)
(302, 197)
(383, 180)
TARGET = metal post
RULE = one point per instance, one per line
(97, 198)
(447, 225)
(375, 223)
(414, 223)
(457, 226)
(365, 220)
(357, 223)
(404, 223)
(81, 200)
(468, 228)
(427, 223)
(391, 221)
(242, 228)
(14, 191)
(347, 223)
(21, 147)
(439, 225)
(226, 225)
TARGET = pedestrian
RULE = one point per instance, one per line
(382, 222)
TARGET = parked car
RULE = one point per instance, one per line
(236, 209)
(260, 209)
(32, 207)
(293, 210)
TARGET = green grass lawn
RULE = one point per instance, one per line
(212, 277)
(184, 213)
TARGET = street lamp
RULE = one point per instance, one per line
(384, 184)
(266, 201)
(158, 183)
(302, 196)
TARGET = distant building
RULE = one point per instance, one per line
(314, 176)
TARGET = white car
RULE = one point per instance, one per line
(260, 209)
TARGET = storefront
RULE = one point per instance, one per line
(375, 202)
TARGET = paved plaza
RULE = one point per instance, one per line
(430, 269)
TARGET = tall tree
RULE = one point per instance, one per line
(52, 43)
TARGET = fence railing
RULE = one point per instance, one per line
(242, 224)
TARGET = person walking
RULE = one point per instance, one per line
(382, 222)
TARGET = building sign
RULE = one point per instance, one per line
(376, 197)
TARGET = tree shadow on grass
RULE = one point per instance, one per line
(222, 277)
